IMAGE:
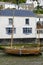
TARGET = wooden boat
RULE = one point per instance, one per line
(21, 50)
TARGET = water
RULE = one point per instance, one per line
(20, 60)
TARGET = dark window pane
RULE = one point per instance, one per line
(9, 30)
(27, 21)
(27, 30)
(40, 31)
(10, 21)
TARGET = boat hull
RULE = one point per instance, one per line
(22, 51)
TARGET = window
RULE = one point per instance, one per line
(27, 30)
(42, 22)
(27, 21)
(9, 30)
(10, 21)
(40, 31)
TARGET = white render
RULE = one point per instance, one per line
(40, 2)
(29, 1)
(19, 23)
(8, 5)
(32, 2)
(35, 2)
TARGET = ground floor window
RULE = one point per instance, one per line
(40, 31)
(27, 30)
(9, 30)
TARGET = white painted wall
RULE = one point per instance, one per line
(32, 2)
(40, 2)
(19, 23)
(29, 1)
(35, 3)
(7, 5)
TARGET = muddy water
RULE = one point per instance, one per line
(20, 60)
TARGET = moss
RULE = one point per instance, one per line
(21, 45)
(1, 47)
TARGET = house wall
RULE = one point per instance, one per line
(27, 6)
(40, 2)
(19, 23)
(10, 6)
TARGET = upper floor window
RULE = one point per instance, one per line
(27, 21)
(9, 30)
(27, 30)
(10, 21)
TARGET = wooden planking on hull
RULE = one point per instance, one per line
(22, 51)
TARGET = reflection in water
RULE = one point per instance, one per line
(20, 60)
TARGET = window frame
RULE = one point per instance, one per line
(27, 30)
(8, 30)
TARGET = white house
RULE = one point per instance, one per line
(26, 6)
(24, 24)
(29, 1)
(40, 2)
(32, 2)
(35, 2)
(8, 5)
